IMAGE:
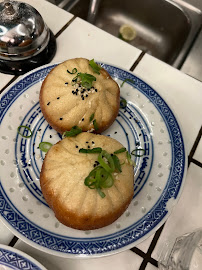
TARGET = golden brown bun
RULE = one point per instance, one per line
(62, 183)
(63, 109)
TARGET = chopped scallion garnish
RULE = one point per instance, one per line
(94, 66)
(45, 146)
(74, 70)
(123, 103)
(91, 117)
(102, 194)
(72, 132)
(136, 152)
(95, 124)
(128, 156)
(117, 163)
(127, 80)
(121, 150)
(101, 176)
(86, 79)
(90, 151)
(26, 130)
(108, 165)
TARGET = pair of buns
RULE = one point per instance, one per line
(64, 105)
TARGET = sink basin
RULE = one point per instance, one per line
(165, 29)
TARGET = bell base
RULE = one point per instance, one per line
(22, 66)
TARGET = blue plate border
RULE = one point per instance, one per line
(123, 238)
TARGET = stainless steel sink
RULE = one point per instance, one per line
(165, 29)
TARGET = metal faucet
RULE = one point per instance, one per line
(92, 11)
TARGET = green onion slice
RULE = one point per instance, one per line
(95, 124)
(136, 152)
(74, 70)
(117, 163)
(102, 194)
(94, 66)
(91, 117)
(123, 103)
(109, 164)
(127, 80)
(25, 128)
(86, 79)
(90, 151)
(45, 146)
(121, 150)
(131, 162)
(72, 132)
(108, 182)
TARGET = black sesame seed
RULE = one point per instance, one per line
(33, 153)
(94, 165)
(93, 142)
(37, 147)
(77, 90)
(77, 146)
(82, 98)
(119, 115)
(92, 87)
(48, 103)
(72, 91)
(140, 134)
(88, 146)
(51, 136)
(82, 119)
(29, 164)
(115, 132)
(130, 117)
(86, 95)
(95, 90)
(61, 118)
(39, 129)
(86, 142)
(58, 97)
(125, 111)
(126, 134)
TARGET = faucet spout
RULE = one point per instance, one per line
(92, 12)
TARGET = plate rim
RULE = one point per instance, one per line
(22, 254)
(139, 240)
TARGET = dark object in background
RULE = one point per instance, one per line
(25, 40)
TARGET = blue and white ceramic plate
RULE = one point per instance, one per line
(11, 258)
(146, 122)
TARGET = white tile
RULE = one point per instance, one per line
(186, 215)
(5, 234)
(54, 17)
(198, 152)
(126, 260)
(182, 93)
(82, 39)
(4, 79)
(145, 244)
(150, 267)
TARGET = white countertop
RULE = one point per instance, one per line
(181, 92)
